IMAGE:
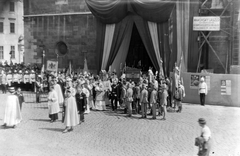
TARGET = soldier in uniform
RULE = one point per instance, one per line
(4, 83)
(20, 79)
(32, 79)
(114, 98)
(144, 101)
(26, 81)
(15, 79)
(9, 78)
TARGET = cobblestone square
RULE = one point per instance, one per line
(106, 133)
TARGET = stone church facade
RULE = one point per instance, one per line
(50, 22)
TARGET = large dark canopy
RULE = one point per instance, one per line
(113, 11)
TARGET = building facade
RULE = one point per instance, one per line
(63, 30)
(11, 31)
(66, 30)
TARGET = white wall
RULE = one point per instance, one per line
(7, 39)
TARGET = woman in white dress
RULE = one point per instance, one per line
(100, 96)
(71, 115)
(53, 105)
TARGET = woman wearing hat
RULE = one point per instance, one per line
(204, 141)
(71, 115)
(202, 90)
(12, 110)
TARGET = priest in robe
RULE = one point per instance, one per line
(53, 105)
(58, 90)
(12, 115)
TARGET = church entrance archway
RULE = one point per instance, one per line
(137, 56)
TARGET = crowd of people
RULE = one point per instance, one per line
(152, 95)
(78, 94)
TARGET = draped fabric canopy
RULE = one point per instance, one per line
(115, 19)
(114, 11)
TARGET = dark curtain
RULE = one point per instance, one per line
(121, 29)
(114, 11)
(193, 43)
(153, 11)
(164, 46)
(143, 29)
(108, 12)
(101, 28)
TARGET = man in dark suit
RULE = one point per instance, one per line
(20, 97)
(114, 97)
(81, 100)
(136, 97)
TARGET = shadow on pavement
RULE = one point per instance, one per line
(53, 129)
(45, 120)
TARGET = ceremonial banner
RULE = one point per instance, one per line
(226, 87)
(52, 66)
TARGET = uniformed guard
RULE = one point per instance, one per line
(26, 80)
(32, 79)
(4, 82)
(9, 78)
(15, 79)
(20, 79)
(144, 101)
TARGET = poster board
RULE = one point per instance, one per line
(226, 87)
(195, 79)
(206, 23)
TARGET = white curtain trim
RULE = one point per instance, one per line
(154, 35)
(107, 44)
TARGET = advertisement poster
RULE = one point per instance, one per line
(225, 87)
(194, 81)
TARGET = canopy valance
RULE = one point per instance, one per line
(113, 11)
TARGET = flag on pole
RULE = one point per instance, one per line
(69, 70)
(42, 71)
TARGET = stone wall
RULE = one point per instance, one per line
(33, 7)
(45, 31)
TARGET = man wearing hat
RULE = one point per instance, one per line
(26, 80)
(86, 91)
(144, 101)
(136, 97)
(202, 90)
(4, 82)
(129, 99)
(9, 78)
(153, 100)
(163, 101)
(32, 79)
(114, 98)
(204, 141)
(15, 79)
(12, 110)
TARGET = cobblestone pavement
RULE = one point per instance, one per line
(110, 134)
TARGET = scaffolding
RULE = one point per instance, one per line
(226, 10)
